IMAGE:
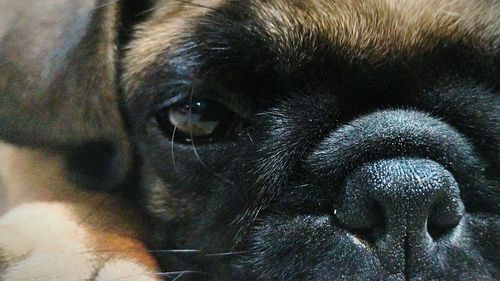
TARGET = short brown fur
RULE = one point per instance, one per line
(373, 30)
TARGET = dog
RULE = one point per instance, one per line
(250, 140)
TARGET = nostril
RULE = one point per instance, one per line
(437, 231)
(371, 235)
(440, 223)
(370, 228)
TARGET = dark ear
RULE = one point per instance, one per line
(59, 67)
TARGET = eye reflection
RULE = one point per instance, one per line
(199, 120)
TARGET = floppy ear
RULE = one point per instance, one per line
(58, 82)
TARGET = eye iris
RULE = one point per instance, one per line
(197, 120)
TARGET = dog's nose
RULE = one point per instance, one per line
(402, 207)
(401, 195)
(395, 178)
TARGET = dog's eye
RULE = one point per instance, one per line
(197, 120)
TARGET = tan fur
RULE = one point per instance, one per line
(47, 240)
(373, 29)
(52, 221)
(376, 29)
(47, 74)
(43, 239)
(170, 20)
(129, 271)
(29, 175)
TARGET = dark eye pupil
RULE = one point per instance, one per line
(205, 110)
(197, 120)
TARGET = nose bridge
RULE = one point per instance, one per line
(390, 134)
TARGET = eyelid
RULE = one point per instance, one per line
(241, 108)
(171, 101)
(185, 91)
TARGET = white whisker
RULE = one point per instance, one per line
(225, 254)
(172, 147)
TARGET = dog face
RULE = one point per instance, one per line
(320, 140)
(274, 140)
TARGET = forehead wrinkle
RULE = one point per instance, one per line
(169, 25)
(377, 29)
